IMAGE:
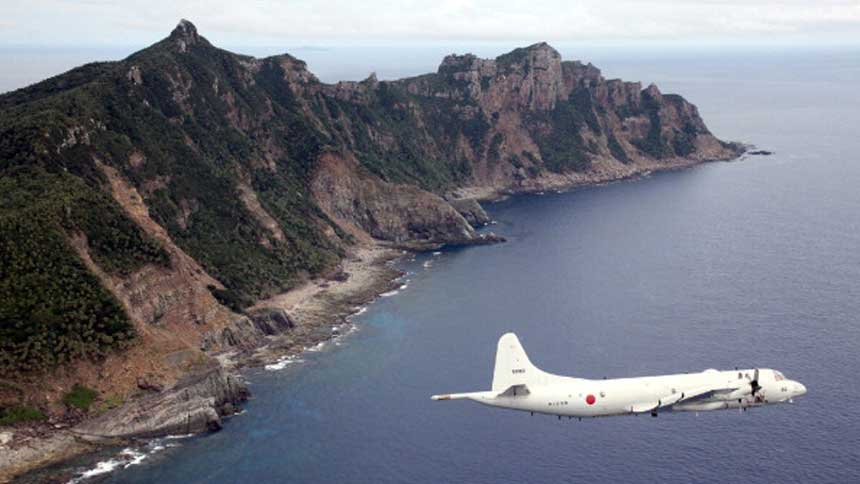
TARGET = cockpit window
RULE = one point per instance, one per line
(777, 376)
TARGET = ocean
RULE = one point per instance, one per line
(752, 263)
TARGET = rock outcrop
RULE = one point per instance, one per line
(248, 332)
(527, 79)
(547, 117)
(271, 321)
(401, 214)
(472, 211)
(194, 404)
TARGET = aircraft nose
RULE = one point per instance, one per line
(800, 388)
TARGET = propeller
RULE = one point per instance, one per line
(754, 383)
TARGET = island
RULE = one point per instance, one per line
(171, 217)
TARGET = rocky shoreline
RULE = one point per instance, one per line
(605, 171)
(202, 398)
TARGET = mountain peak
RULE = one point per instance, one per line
(541, 46)
(185, 35)
(540, 53)
(538, 49)
(184, 29)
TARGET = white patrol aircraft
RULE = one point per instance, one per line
(519, 385)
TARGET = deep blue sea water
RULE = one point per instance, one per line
(750, 263)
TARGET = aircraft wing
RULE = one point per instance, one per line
(707, 392)
(697, 393)
(678, 397)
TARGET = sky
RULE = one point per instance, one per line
(308, 22)
(348, 39)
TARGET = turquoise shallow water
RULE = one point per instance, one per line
(752, 263)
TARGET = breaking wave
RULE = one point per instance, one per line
(130, 456)
(283, 362)
(395, 291)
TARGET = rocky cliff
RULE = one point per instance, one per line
(146, 203)
(403, 214)
(195, 404)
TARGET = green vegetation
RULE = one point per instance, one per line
(409, 154)
(485, 82)
(582, 102)
(512, 58)
(80, 397)
(532, 169)
(682, 142)
(192, 158)
(563, 148)
(654, 144)
(493, 153)
(52, 308)
(231, 299)
(196, 125)
(20, 414)
(617, 151)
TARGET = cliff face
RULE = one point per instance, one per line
(521, 121)
(403, 214)
(145, 203)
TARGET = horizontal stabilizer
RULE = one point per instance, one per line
(515, 391)
(466, 396)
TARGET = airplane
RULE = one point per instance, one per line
(519, 385)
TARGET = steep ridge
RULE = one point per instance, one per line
(146, 203)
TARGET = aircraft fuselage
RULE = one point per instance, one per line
(519, 385)
(578, 397)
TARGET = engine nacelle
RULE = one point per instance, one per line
(736, 394)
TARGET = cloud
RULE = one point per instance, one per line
(261, 21)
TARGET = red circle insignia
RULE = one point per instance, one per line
(590, 399)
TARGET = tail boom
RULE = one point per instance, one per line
(465, 396)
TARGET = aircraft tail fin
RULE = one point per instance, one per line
(513, 375)
(513, 367)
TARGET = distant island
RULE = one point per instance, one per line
(171, 216)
